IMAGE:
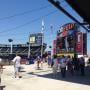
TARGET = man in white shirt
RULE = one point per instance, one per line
(16, 62)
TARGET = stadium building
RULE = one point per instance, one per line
(33, 48)
(70, 41)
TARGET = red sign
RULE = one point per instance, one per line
(65, 33)
(68, 26)
(79, 42)
(54, 47)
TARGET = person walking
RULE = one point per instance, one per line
(76, 65)
(55, 66)
(38, 62)
(1, 66)
(82, 66)
(17, 65)
(88, 61)
(49, 60)
(70, 65)
(63, 66)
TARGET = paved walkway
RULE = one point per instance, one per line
(42, 80)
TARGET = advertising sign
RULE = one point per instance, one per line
(54, 47)
(79, 42)
(35, 39)
(67, 29)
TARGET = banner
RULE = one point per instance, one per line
(66, 44)
(79, 42)
(54, 47)
(85, 43)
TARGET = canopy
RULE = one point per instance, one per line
(82, 7)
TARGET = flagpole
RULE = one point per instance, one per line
(51, 28)
(42, 31)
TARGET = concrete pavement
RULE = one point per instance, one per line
(33, 79)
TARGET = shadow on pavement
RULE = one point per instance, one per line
(76, 78)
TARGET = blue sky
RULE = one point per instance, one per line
(19, 18)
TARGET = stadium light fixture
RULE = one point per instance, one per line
(28, 49)
(11, 40)
(42, 31)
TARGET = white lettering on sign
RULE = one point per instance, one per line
(79, 36)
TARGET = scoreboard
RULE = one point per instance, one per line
(35, 39)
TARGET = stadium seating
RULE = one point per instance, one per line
(21, 49)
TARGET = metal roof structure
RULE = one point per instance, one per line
(82, 7)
